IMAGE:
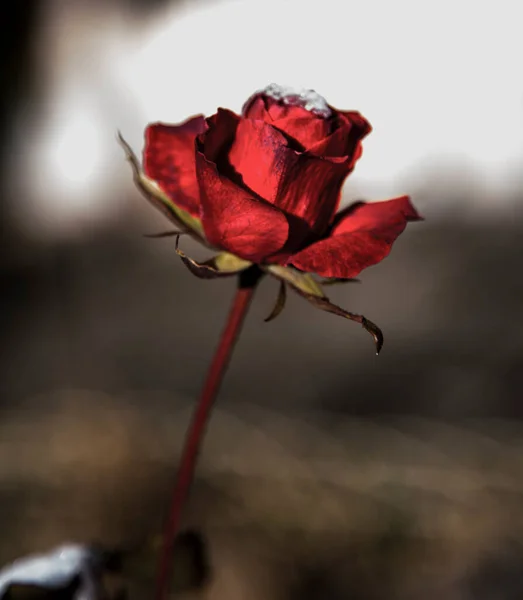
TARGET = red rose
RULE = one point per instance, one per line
(266, 184)
(264, 187)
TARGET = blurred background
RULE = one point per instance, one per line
(327, 472)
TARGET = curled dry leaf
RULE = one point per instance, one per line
(306, 286)
(221, 265)
(280, 303)
(164, 234)
(325, 304)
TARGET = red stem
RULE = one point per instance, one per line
(195, 433)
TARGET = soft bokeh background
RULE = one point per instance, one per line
(327, 472)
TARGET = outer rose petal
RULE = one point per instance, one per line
(362, 236)
(234, 220)
(169, 160)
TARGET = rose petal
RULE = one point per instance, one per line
(348, 131)
(219, 135)
(168, 159)
(234, 220)
(306, 132)
(255, 108)
(304, 186)
(303, 127)
(157, 197)
(376, 216)
(361, 236)
(310, 188)
(259, 154)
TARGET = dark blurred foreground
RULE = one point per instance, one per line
(328, 471)
(292, 506)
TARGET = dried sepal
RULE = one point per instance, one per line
(225, 262)
(337, 280)
(306, 286)
(221, 265)
(164, 234)
(304, 282)
(325, 304)
(280, 302)
(152, 192)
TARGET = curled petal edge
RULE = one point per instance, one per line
(280, 302)
(306, 286)
(223, 264)
(152, 192)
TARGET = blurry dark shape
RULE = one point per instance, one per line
(191, 562)
(111, 560)
(500, 575)
(32, 592)
(19, 22)
(18, 81)
(191, 569)
(317, 583)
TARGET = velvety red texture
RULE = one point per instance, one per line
(362, 235)
(266, 185)
(169, 159)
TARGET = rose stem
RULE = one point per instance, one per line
(195, 433)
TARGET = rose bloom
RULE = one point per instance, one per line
(264, 188)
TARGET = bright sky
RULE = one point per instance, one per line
(438, 80)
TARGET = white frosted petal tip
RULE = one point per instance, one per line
(307, 99)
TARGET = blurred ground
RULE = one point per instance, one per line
(328, 472)
(293, 505)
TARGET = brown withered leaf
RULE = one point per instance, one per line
(325, 304)
(337, 280)
(164, 234)
(221, 265)
(305, 285)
